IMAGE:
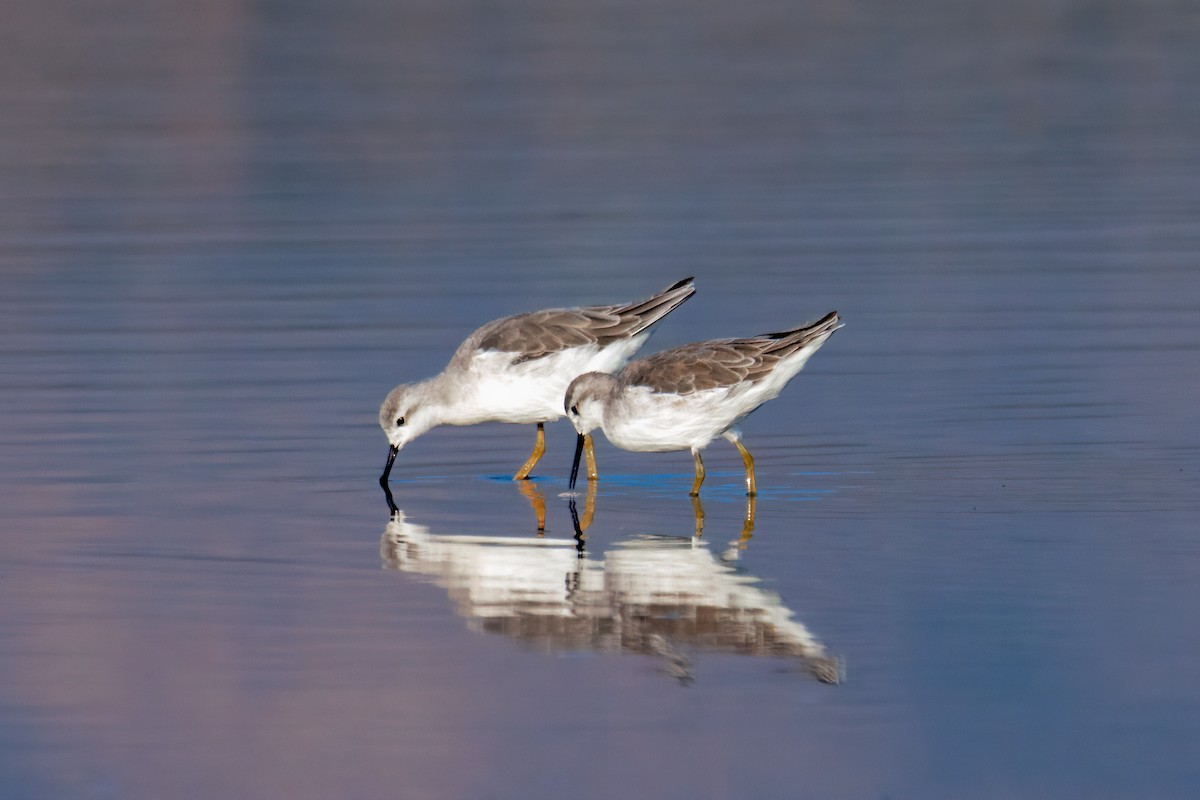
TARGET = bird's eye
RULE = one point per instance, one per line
(399, 422)
(575, 410)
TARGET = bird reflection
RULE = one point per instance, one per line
(652, 595)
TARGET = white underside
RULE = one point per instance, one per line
(643, 421)
(492, 389)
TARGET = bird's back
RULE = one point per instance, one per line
(538, 334)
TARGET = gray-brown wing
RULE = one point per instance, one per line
(722, 363)
(539, 333)
(696, 367)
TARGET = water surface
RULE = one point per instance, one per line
(226, 232)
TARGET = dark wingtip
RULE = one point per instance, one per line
(829, 318)
(680, 284)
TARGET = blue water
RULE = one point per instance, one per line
(226, 231)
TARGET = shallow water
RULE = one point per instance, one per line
(226, 232)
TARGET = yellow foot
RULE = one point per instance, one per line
(539, 447)
(748, 460)
(695, 492)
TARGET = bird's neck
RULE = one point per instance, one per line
(449, 400)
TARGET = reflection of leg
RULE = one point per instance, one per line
(698, 511)
(539, 447)
(748, 524)
(589, 511)
(699, 473)
(590, 453)
(589, 507)
(748, 460)
(537, 500)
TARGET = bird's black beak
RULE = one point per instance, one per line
(387, 468)
(575, 464)
(383, 479)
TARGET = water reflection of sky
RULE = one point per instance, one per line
(227, 229)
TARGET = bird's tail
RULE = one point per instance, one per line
(811, 336)
(644, 314)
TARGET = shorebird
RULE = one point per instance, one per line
(684, 398)
(516, 369)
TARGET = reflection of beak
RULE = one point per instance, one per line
(574, 465)
(387, 468)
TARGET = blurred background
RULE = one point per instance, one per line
(228, 228)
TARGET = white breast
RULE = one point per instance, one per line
(533, 391)
(643, 421)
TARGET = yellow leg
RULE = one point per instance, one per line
(538, 501)
(699, 474)
(698, 511)
(748, 460)
(539, 447)
(590, 453)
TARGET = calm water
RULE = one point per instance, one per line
(227, 229)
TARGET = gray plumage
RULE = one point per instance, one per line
(537, 334)
(721, 362)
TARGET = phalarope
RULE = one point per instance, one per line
(516, 369)
(684, 398)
